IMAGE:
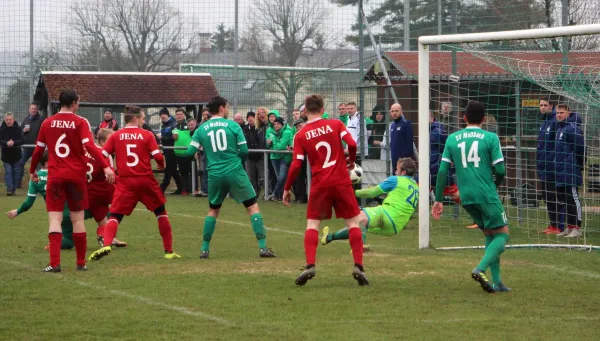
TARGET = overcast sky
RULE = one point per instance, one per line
(51, 19)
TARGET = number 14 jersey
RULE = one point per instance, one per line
(474, 153)
(321, 142)
(220, 138)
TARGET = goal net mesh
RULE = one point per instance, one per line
(512, 78)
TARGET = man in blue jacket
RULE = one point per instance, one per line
(166, 138)
(569, 162)
(401, 136)
(545, 164)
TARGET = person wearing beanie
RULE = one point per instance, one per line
(281, 138)
(166, 138)
(108, 122)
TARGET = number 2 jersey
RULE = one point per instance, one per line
(65, 135)
(474, 152)
(320, 141)
(220, 139)
(133, 148)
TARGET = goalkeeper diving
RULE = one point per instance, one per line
(392, 216)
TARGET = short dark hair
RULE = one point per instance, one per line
(563, 106)
(180, 109)
(547, 99)
(250, 113)
(215, 103)
(132, 111)
(33, 103)
(67, 97)
(191, 119)
(475, 112)
(407, 164)
(314, 103)
(44, 158)
(351, 103)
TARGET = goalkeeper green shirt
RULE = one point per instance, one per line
(221, 140)
(403, 195)
(474, 152)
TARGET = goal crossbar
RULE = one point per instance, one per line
(423, 130)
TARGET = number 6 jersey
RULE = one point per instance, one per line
(65, 135)
(474, 152)
(220, 139)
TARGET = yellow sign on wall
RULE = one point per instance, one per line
(530, 103)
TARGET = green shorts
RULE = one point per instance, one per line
(236, 184)
(382, 223)
(488, 216)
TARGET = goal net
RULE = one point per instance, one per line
(515, 74)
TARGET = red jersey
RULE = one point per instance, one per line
(95, 172)
(65, 135)
(321, 141)
(133, 148)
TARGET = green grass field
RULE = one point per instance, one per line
(135, 294)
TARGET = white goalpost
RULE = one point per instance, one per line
(492, 40)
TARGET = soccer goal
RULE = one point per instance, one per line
(515, 73)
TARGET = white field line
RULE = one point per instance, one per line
(133, 297)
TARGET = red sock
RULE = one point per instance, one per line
(356, 244)
(80, 241)
(110, 231)
(55, 239)
(164, 227)
(100, 231)
(311, 241)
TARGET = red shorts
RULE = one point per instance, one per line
(100, 196)
(131, 190)
(340, 197)
(59, 191)
(451, 190)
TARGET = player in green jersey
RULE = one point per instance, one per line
(397, 209)
(224, 144)
(480, 170)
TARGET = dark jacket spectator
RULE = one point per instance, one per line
(147, 127)
(31, 125)
(570, 152)
(377, 133)
(10, 151)
(401, 140)
(166, 130)
(545, 147)
(108, 122)
(437, 141)
(254, 137)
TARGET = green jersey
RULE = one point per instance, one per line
(403, 195)
(220, 139)
(474, 152)
(35, 188)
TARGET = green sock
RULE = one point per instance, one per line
(339, 234)
(364, 234)
(493, 250)
(67, 231)
(258, 226)
(209, 228)
(495, 266)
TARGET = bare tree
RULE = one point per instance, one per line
(584, 12)
(144, 35)
(293, 28)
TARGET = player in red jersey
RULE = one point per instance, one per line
(321, 141)
(133, 147)
(65, 135)
(100, 194)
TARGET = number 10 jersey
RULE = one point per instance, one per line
(220, 138)
(474, 152)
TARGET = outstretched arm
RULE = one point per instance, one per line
(371, 192)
